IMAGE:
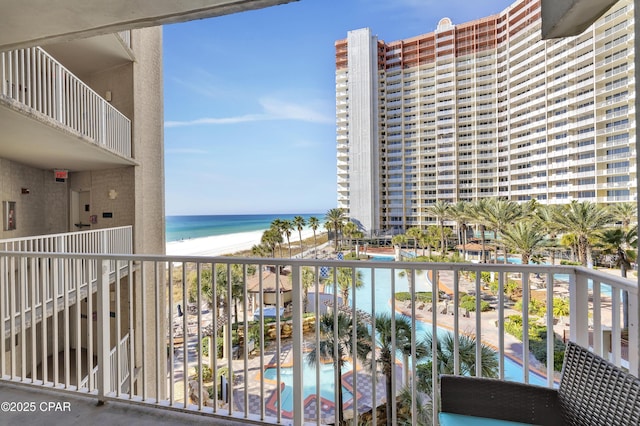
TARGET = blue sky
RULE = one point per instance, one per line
(250, 100)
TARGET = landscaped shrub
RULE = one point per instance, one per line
(421, 296)
(468, 302)
(513, 288)
(536, 307)
(537, 340)
(207, 373)
(205, 346)
(570, 263)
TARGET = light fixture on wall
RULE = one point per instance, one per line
(113, 194)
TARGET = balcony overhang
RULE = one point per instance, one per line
(564, 18)
(31, 139)
(37, 22)
(88, 55)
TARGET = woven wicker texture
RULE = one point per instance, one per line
(594, 392)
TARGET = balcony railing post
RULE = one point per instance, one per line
(634, 332)
(579, 308)
(59, 94)
(104, 344)
(296, 294)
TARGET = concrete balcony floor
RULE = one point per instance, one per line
(84, 410)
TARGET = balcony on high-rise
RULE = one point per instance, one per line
(54, 119)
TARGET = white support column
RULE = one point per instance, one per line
(298, 397)
(104, 349)
(579, 309)
(634, 299)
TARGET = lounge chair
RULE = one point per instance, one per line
(592, 392)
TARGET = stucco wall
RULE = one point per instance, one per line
(44, 210)
(100, 183)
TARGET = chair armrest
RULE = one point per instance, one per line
(499, 399)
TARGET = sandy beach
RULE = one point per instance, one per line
(225, 244)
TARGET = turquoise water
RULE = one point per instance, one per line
(185, 227)
(327, 379)
(605, 290)
(379, 300)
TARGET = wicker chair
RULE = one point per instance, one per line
(592, 392)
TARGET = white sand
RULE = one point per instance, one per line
(226, 244)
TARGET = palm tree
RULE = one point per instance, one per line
(560, 307)
(336, 344)
(621, 244)
(445, 349)
(459, 212)
(350, 230)
(299, 223)
(287, 227)
(524, 238)
(222, 282)
(308, 280)
(344, 280)
(314, 224)
(334, 220)
(399, 240)
(261, 250)
(385, 337)
(271, 238)
(584, 220)
(478, 216)
(440, 210)
(625, 213)
(499, 214)
(544, 217)
(571, 241)
(415, 233)
(277, 225)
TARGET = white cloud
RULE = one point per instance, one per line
(210, 120)
(273, 109)
(280, 109)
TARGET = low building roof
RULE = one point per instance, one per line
(271, 282)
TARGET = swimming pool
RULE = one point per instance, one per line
(382, 295)
(366, 300)
(605, 290)
(327, 383)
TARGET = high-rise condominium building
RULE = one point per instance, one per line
(485, 109)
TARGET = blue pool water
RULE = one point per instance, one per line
(327, 380)
(367, 300)
(382, 295)
(605, 290)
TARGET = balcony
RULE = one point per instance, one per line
(86, 130)
(268, 376)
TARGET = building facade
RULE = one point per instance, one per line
(81, 171)
(485, 109)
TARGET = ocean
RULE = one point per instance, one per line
(187, 227)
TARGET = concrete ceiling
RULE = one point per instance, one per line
(31, 141)
(85, 56)
(564, 18)
(39, 22)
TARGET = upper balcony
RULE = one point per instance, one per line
(268, 374)
(52, 120)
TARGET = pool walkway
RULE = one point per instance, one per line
(364, 391)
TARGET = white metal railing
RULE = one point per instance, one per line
(119, 362)
(36, 80)
(166, 346)
(46, 282)
(118, 240)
